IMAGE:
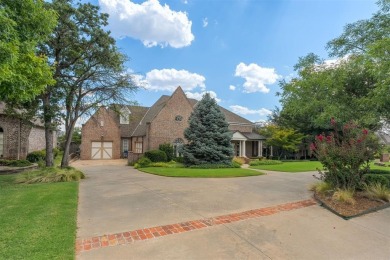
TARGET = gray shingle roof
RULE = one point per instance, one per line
(253, 136)
(140, 130)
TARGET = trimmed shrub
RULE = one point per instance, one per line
(215, 166)
(36, 156)
(179, 159)
(142, 162)
(383, 179)
(379, 171)
(156, 156)
(264, 162)
(168, 149)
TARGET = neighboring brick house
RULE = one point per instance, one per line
(19, 137)
(134, 130)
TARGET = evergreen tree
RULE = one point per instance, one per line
(208, 135)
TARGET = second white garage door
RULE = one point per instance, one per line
(101, 150)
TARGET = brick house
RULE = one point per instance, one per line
(135, 129)
(19, 137)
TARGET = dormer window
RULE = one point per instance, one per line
(124, 116)
(178, 118)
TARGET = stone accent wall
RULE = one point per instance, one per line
(36, 139)
(165, 128)
(100, 127)
(13, 131)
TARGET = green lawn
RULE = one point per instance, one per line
(37, 221)
(302, 166)
(200, 173)
(293, 166)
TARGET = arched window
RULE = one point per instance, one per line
(1, 142)
(177, 147)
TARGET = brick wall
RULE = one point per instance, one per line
(36, 139)
(13, 130)
(100, 127)
(165, 128)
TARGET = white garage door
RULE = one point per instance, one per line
(101, 150)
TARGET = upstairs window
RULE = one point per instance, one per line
(124, 116)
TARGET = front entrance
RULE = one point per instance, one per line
(101, 150)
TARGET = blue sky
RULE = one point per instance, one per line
(237, 50)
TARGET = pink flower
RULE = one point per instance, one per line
(329, 138)
(365, 131)
(320, 138)
(359, 141)
(312, 147)
(332, 121)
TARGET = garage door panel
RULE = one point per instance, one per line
(101, 150)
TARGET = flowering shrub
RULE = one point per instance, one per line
(345, 155)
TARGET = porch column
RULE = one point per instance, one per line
(239, 149)
(271, 154)
(260, 148)
(244, 150)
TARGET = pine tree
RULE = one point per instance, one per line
(208, 135)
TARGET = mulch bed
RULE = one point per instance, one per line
(362, 206)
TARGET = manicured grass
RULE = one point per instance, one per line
(200, 173)
(293, 166)
(38, 221)
(303, 166)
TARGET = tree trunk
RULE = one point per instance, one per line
(48, 129)
(68, 135)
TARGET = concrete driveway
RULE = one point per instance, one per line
(116, 199)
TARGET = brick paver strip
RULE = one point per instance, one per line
(127, 237)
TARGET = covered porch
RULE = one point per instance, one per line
(247, 144)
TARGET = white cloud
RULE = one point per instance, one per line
(198, 96)
(231, 87)
(170, 79)
(205, 22)
(152, 23)
(246, 111)
(256, 77)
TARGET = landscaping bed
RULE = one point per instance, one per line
(362, 205)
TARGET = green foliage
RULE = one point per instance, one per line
(156, 155)
(36, 156)
(24, 25)
(377, 190)
(168, 149)
(171, 164)
(379, 171)
(88, 66)
(345, 155)
(14, 163)
(264, 162)
(51, 174)
(208, 135)
(142, 162)
(216, 166)
(179, 159)
(382, 179)
(354, 88)
(285, 138)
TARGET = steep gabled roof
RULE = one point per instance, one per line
(140, 129)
